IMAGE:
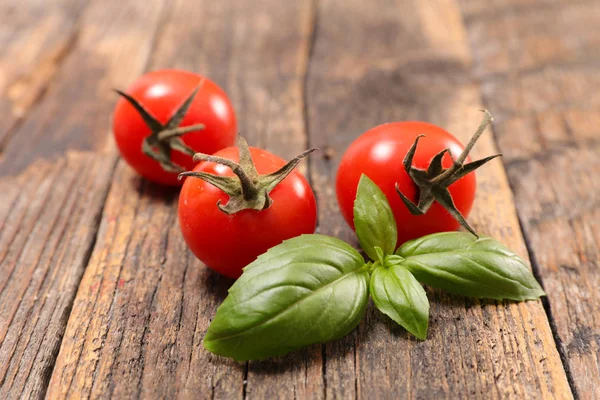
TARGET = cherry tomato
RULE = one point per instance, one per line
(379, 154)
(227, 243)
(161, 94)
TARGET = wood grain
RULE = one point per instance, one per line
(52, 186)
(145, 302)
(545, 91)
(35, 39)
(411, 60)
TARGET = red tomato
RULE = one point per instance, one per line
(161, 93)
(227, 243)
(379, 153)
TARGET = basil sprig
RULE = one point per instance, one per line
(395, 292)
(314, 288)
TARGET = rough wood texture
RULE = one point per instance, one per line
(544, 90)
(31, 54)
(52, 191)
(411, 60)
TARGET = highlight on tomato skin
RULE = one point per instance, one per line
(227, 243)
(162, 93)
(380, 152)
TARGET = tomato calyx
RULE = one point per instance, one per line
(433, 183)
(165, 138)
(249, 189)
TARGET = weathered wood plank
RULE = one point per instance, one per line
(35, 38)
(55, 175)
(383, 61)
(145, 302)
(545, 93)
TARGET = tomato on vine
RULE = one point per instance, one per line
(421, 170)
(241, 201)
(168, 115)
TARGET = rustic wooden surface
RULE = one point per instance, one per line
(99, 296)
(544, 95)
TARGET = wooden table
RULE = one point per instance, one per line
(99, 296)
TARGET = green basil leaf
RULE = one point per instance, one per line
(373, 219)
(460, 263)
(397, 294)
(307, 290)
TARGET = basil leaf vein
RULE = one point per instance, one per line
(309, 289)
(460, 263)
(397, 293)
(373, 219)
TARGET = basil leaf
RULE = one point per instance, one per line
(397, 294)
(460, 263)
(373, 219)
(309, 289)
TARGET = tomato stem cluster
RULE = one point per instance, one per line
(165, 138)
(433, 183)
(249, 189)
